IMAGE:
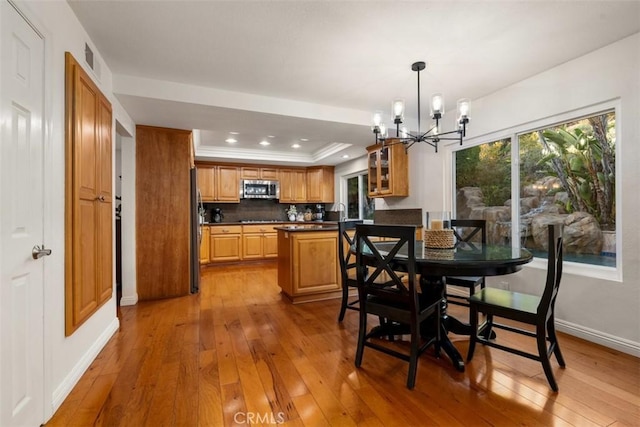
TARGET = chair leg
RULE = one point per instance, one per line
(413, 358)
(345, 301)
(473, 337)
(551, 329)
(362, 332)
(544, 359)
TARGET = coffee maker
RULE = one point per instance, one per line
(217, 215)
(319, 215)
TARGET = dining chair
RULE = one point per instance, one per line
(469, 232)
(346, 229)
(537, 311)
(397, 301)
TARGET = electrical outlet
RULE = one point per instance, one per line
(504, 285)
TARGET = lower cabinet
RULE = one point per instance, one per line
(204, 245)
(259, 241)
(225, 243)
(308, 268)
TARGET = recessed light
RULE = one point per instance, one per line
(304, 139)
(231, 140)
(233, 133)
(295, 146)
(345, 156)
(265, 143)
(270, 136)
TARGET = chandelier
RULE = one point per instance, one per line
(431, 136)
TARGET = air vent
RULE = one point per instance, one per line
(88, 55)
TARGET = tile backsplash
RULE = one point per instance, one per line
(254, 210)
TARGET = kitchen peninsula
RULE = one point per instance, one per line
(308, 268)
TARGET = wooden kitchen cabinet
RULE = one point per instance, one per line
(259, 241)
(308, 268)
(88, 197)
(293, 185)
(163, 217)
(388, 170)
(219, 183)
(205, 245)
(225, 243)
(320, 188)
(259, 173)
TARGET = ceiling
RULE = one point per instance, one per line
(283, 71)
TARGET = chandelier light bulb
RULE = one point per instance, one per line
(397, 110)
(377, 119)
(437, 105)
(463, 108)
(383, 131)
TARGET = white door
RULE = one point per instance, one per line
(21, 221)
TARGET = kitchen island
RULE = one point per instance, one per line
(308, 267)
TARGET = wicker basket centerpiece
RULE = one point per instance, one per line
(439, 239)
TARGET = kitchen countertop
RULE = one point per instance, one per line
(295, 227)
(301, 223)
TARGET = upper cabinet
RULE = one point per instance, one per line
(266, 173)
(388, 170)
(219, 183)
(293, 186)
(320, 188)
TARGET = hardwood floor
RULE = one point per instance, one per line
(238, 353)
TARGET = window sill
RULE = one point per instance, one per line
(580, 269)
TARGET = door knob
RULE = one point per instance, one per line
(38, 252)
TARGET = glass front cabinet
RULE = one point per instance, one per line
(388, 170)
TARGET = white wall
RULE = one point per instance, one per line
(66, 358)
(603, 311)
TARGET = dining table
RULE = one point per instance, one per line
(466, 259)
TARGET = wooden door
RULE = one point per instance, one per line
(204, 246)
(88, 201)
(286, 186)
(227, 184)
(300, 185)
(163, 216)
(205, 178)
(252, 246)
(270, 245)
(22, 371)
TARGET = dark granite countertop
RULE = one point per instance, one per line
(318, 223)
(297, 227)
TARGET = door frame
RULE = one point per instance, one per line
(50, 267)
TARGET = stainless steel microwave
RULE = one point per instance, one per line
(259, 189)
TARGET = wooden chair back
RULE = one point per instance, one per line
(372, 263)
(345, 242)
(469, 231)
(554, 271)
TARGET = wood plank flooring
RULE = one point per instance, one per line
(239, 354)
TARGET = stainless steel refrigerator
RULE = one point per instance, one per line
(196, 233)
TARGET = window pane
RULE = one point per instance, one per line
(353, 198)
(359, 204)
(567, 175)
(483, 187)
(368, 205)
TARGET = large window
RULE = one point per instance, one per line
(566, 175)
(359, 204)
(483, 187)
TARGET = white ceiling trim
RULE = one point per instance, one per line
(171, 91)
(249, 155)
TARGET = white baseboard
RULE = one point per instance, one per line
(63, 390)
(607, 340)
(129, 300)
